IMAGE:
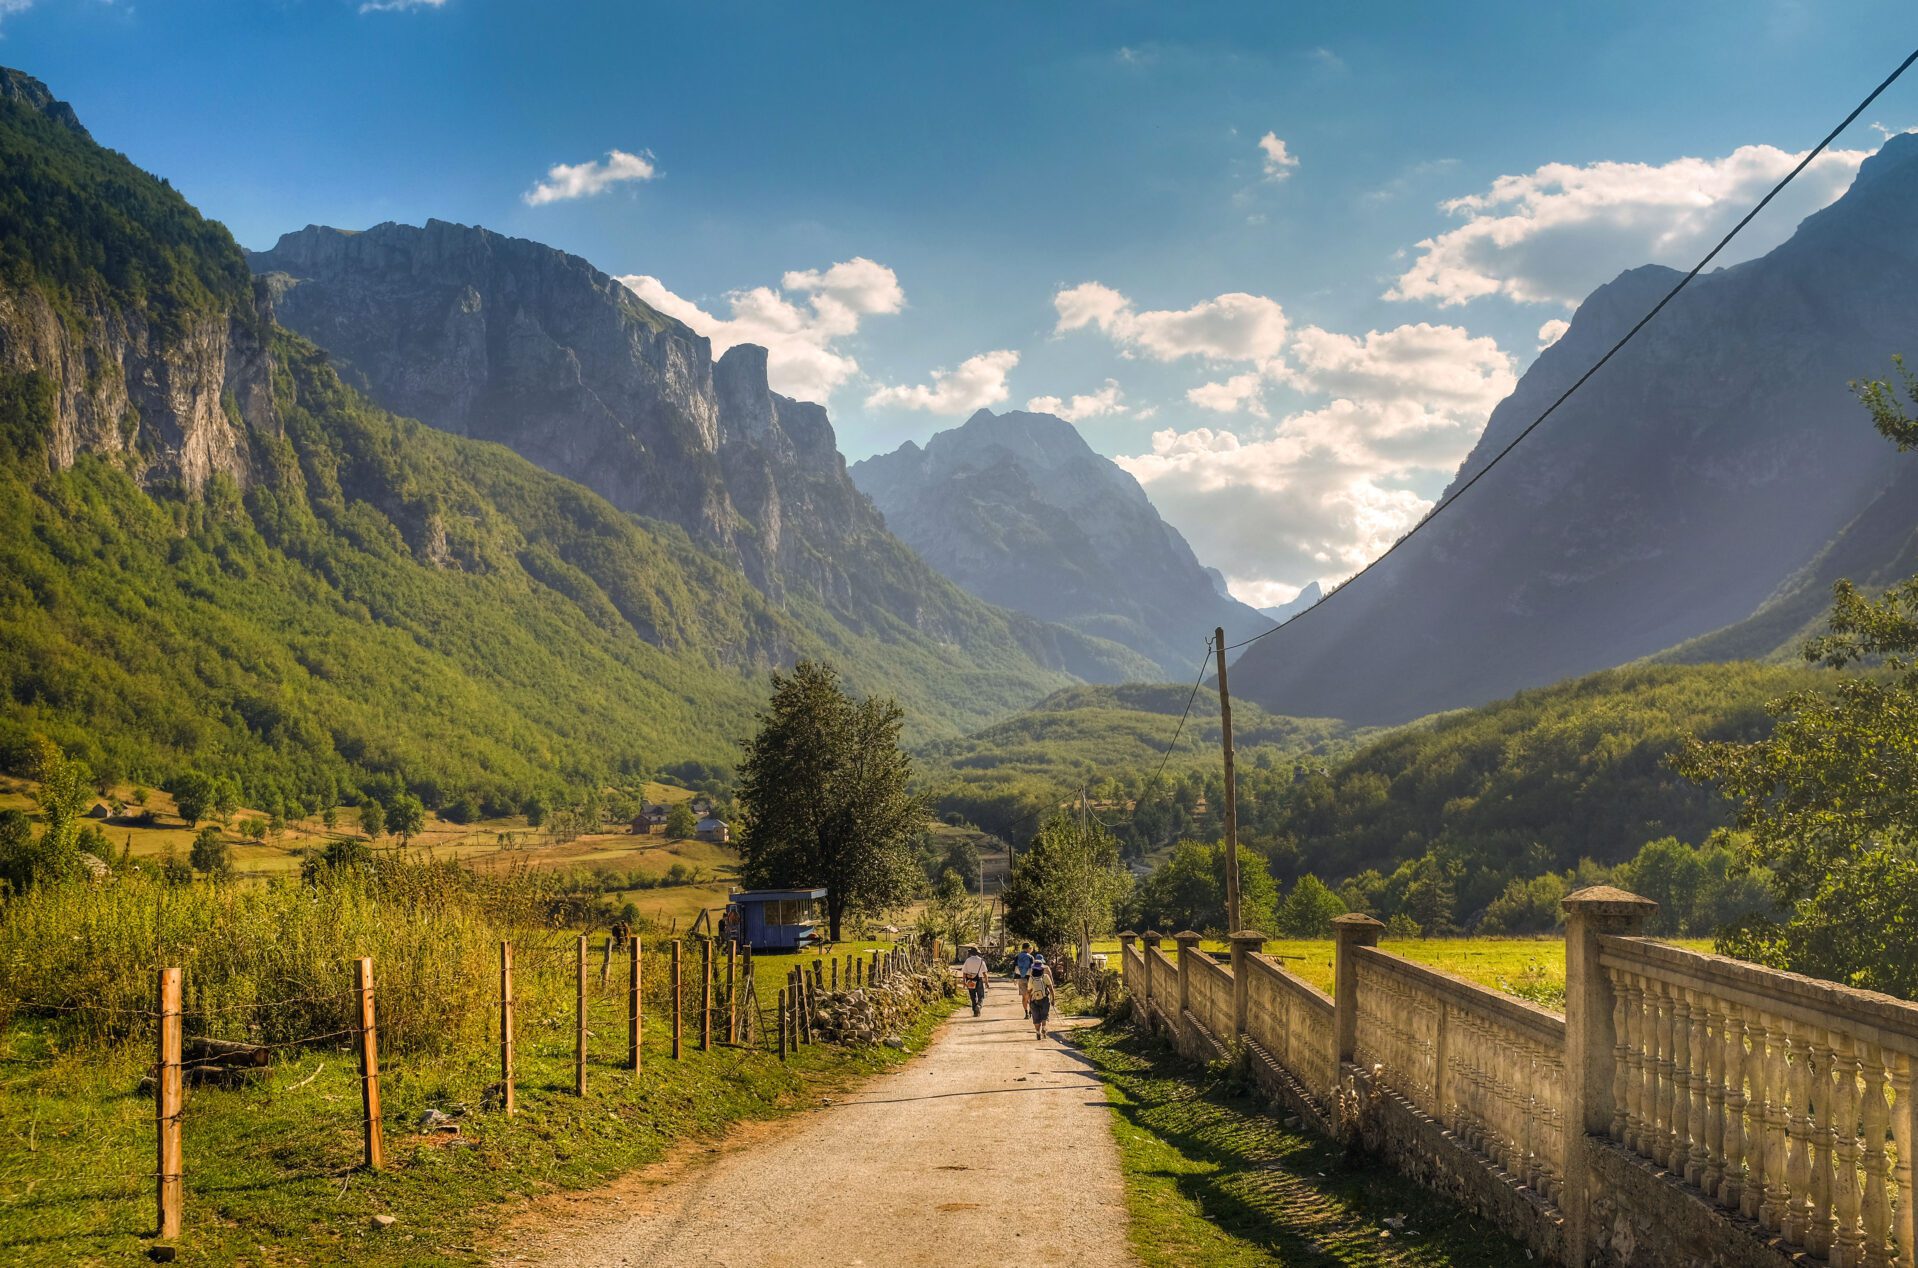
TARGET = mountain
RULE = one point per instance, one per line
(507, 340)
(215, 553)
(1019, 510)
(1298, 603)
(1679, 492)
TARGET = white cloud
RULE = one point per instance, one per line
(975, 383)
(1554, 234)
(800, 323)
(1231, 327)
(583, 180)
(8, 8)
(1551, 332)
(1107, 400)
(1278, 161)
(1443, 367)
(1241, 392)
(383, 6)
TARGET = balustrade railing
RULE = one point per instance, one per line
(1486, 1065)
(1292, 1022)
(1784, 1098)
(1164, 974)
(1211, 995)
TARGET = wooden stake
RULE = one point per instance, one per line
(606, 961)
(732, 992)
(706, 995)
(783, 992)
(169, 1097)
(507, 1100)
(1231, 793)
(635, 1016)
(678, 1004)
(370, 1065)
(579, 1015)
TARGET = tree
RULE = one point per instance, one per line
(1309, 909)
(952, 913)
(193, 796)
(823, 796)
(211, 855)
(680, 821)
(1829, 801)
(1069, 881)
(405, 817)
(372, 819)
(65, 787)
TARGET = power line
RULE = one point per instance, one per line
(1179, 729)
(1670, 295)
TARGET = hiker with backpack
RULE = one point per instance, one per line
(1039, 994)
(973, 973)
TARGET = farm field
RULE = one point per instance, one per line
(1530, 968)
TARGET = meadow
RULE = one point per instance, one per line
(272, 1165)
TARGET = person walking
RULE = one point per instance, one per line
(1039, 993)
(973, 973)
(1021, 970)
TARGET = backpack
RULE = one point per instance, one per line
(1041, 987)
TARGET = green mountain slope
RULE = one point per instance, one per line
(213, 553)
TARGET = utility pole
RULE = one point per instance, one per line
(1231, 793)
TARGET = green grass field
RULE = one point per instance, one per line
(1530, 968)
(1212, 1178)
(272, 1170)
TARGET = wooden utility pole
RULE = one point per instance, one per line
(1231, 793)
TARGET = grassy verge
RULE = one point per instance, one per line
(272, 1171)
(1212, 1178)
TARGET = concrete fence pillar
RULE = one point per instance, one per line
(1188, 943)
(1349, 933)
(1126, 941)
(1245, 944)
(1590, 1041)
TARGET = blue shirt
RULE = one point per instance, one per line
(1022, 963)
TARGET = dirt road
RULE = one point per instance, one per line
(989, 1148)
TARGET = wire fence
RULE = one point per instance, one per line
(603, 1005)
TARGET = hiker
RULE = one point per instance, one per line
(973, 973)
(1021, 970)
(1039, 992)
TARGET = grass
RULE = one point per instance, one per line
(1212, 1178)
(1530, 968)
(272, 1169)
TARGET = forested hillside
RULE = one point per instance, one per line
(215, 555)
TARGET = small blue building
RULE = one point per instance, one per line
(774, 919)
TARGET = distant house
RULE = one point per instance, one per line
(702, 806)
(714, 830)
(651, 820)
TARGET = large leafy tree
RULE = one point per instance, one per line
(1187, 891)
(1069, 881)
(823, 796)
(1829, 802)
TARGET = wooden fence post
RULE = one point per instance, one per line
(370, 1065)
(634, 1008)
(678, 1007)
(783, 991)
(606, 961)
(732, 992)
(168, 1098)
(579, 1015)
(507, 1100)
(835, 973)
(706, 994)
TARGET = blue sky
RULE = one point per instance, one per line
(1196, 227)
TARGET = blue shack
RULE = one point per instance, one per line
(773, 919)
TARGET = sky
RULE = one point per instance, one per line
(1278, 260)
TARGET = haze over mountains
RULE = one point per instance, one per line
(1715, 467)
(1020, 510)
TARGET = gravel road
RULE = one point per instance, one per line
(990, 1147)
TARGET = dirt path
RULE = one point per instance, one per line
(989, 1148)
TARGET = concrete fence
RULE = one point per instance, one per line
(1687, 1109)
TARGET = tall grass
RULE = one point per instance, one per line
(273, 963)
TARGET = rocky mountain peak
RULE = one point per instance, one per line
(24, 90)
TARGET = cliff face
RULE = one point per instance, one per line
(511, 341)
(1707, 464)
(1018, 509)
(167, 390)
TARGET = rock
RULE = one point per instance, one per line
(163, 1254)
(383, 1222)
(895, 1043)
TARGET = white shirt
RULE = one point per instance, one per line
(975, 966)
